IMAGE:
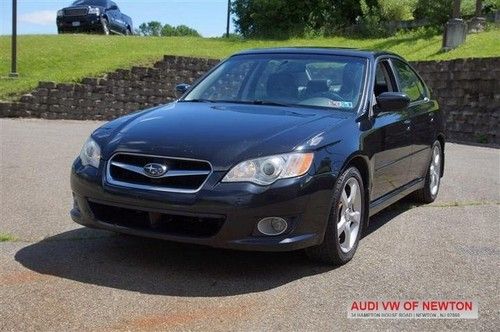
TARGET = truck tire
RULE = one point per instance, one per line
(105, 26)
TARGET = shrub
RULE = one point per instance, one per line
(397, 10)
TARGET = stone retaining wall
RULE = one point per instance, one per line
(115, 94)
(468, 91)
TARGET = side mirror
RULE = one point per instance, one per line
(392, 102)
(113, 7)
(182, 88)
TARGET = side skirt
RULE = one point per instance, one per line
(388, 199)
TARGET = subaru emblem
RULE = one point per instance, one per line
(154, 170)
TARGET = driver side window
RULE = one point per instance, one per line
(409, 82)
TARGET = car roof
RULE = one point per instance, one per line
(319, 50)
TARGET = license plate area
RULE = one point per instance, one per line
(76, 24)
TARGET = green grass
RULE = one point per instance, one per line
(68, 58)
(6, 237)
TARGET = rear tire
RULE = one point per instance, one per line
(430, 190)
(345, 223)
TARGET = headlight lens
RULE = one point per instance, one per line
(94, 10)
(91, 153)
(60, 13)
(266, 170)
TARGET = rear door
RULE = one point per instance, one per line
(421, 113)
(389, 139)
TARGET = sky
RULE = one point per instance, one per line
(39, 16)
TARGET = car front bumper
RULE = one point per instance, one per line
(79, 23)
(231, 210)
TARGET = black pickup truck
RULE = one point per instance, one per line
(102, 16)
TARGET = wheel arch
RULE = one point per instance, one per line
(441, 140)
(361, 163)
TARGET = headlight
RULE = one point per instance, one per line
(91, 153)
(94, 10)
(60, 13)
(266, 170)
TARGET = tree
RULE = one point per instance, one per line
(479, 8)
(436, 12)
(184, 30)
(456, 8)
(271, 18)
(181, 30)
(143, 29)
(168, 31)
(152, 28)
(290, 18)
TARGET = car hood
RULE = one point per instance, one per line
(84, 7)
(223, 134)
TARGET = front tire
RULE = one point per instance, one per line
(345, 223)
(430, 190)
(105, 26)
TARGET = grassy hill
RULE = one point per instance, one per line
(69, 58)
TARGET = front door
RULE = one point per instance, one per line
(389, 140)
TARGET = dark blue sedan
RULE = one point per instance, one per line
(272, 150)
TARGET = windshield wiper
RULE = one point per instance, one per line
(269, 103)
(197, 101)
(249, 102)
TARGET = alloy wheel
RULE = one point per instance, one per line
(435, 170)
(105, 27)
(349, 218)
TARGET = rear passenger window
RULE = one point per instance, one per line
(409, 82)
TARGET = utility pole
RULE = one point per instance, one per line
(228, 17)
(13, 72)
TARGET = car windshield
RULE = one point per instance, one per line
(90, 3)
(285, 79)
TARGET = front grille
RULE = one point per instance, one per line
(157, 222)
(76, 12)
(182, 175)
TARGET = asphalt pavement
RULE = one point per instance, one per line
(56, 275)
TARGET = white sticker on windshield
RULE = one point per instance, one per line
(340, 104)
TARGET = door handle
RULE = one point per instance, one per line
(431, 117)
(407, 123)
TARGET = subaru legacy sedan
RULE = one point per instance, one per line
(272, 150)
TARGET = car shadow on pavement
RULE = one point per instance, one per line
(163, 268)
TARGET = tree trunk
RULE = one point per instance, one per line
(456, 8)
(479, 8)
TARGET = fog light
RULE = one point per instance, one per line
(272, 226)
